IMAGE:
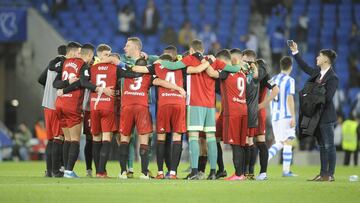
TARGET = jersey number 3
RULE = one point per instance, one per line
(137, 83)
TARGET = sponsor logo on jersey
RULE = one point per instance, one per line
(107, 99)
(170, 95)
(242, 101)
(134, 93)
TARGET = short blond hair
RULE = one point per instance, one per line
(103, 47)
(197, 45)
(136, 40)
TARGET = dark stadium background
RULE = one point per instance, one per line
(29, 40)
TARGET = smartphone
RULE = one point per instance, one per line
(290, 42)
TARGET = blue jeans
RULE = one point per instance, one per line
(325, 138)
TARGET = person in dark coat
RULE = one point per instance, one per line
(323, 74)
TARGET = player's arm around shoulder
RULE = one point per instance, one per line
(85, 78)
(169, 85)
(198, 69)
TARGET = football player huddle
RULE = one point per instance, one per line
(109, 94)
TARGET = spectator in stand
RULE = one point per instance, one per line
(354, 43)
(58, 5)
(169, 36)
(21, 140)
(151, 19)
(251, 41)
(186, 35)
(277, 43)
(279, 10)
(40, 131)
(301, 31)
(215, 48)
(354, 46)
(126, 19)
(208, 37)
(355, 108)
(339, 101)
(338, 132)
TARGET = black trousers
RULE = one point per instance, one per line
(348, 156)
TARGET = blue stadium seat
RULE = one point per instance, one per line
(315, 3)
(122, 3)
(87, 24)
(343, 79)
(82, 16)
(70, 24)
(343, 49)
(76, 34)
(346, 2)
(353, 94)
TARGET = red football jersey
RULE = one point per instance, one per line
(71, 69)
(200, 86)
(168, 96)
(233, 95)
(104, 75)
(136, 91)
(218, 65)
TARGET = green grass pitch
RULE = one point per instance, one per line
(24, 182)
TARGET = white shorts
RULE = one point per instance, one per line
(282, 130)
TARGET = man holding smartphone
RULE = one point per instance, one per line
(325, 75)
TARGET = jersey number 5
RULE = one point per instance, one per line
(100, 80)
(137, 83)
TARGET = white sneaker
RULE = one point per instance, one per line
(201, 175)
(70, 174)
(262, 176)
(89, 173)
(144, 177)
(122, 175)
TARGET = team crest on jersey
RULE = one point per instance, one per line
(86, 73)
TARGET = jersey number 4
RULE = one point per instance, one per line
(170, 77)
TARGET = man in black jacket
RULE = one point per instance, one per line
(323, 74)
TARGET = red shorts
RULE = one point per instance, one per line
(261, 129)
(52, 123)
(235, 131)
(135, 115)
(68, 117)
(102, 121)
(86, 123)
(251, 132)
(219, 127)
(171, 118)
